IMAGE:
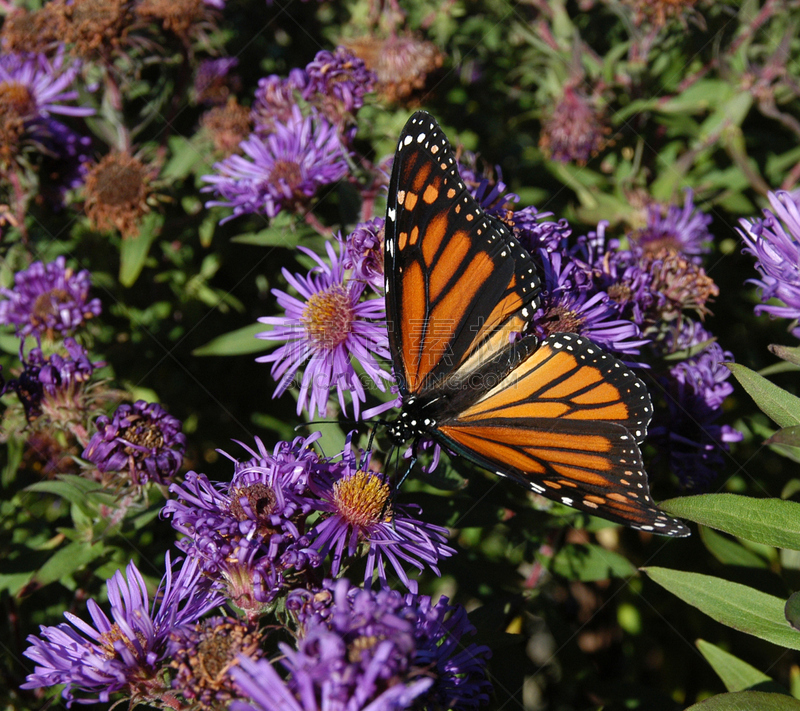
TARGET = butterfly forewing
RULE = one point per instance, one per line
(458, 283)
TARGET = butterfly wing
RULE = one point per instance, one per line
(566, 422)
(458, 284)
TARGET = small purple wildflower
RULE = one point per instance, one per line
(775, 243)
(428, 638)
(486, 187)
(141, 440)
(683, 230)
(574, 130)
(329, 330)
(281, 171)
(245, 532)
(337, 82)
(47, 299)
(363, 253)
(534, 231)
(569, 305)
(276, 99)
(359, 514)
(124, 653)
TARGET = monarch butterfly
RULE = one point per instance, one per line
(559, 416)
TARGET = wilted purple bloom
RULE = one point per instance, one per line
(329, 330)
(775, 243)
(281, 171)
(65, 159)
(574, 130)
(141, 440)
(535, 231)
(683, 230)
(54, 386)
(275, 99)
(126, 652)
(362, 519)
(428, 638)
(363, 253)
(48, 298)
(340, 76)
(213, 82)
(202, 655)
(570, 306)
(245, 532)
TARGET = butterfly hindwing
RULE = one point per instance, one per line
(458, 283)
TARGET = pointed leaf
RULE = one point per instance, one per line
(729, 552)
(133, 251)
(732, 604)
(792, 610)
(736, 674)
(789, 436)
(791, 355)
(747, 701)
(66, 561)
(773, 522)
(239, 342)
(780, 406)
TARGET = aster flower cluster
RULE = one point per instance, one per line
(293, 150)
(364, 649)
(774, 241)
(285, 512)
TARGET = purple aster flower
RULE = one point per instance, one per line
(276, 99)
(247, 532)
(141, 440)
(775, 243)
(329, 330)
(337, 82)
(124, 653)
(363, 253)
(204, 653)
(47, 299)
(683, 230)
(213, 82)
(281, 171)
(361, 519)
(428, 638)
(488, 190)
(569, 306)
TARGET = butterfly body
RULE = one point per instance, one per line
(559, 416)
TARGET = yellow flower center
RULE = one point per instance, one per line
(361, 499)
(328, 317)
(16, 100)
(288, 171)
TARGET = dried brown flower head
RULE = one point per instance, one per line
(93, 25)
(17, 105)
(402, 64)
(177, 16)
(658, 12)
(683, 284)
(228, 126)
(574, 130)
(117, 189)
(25, 31)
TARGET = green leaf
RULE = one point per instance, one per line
(66, 561)
(789, 436)
(78, 491)
(773, 522)
(729, 552)
(732, 604)
(590, 562)
(133, 251)
(747, 701)
(776, 403)
(791, 355)
(792, 610)
(239, 342)
(185, 156)
(736, 674)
